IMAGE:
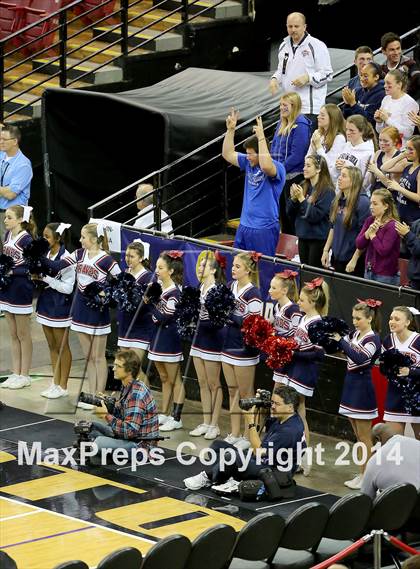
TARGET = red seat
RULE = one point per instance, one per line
(287, 246)
(102, 11)
(40, 9)
(403, 268)
(13, 18)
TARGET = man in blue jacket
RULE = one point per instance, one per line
(264, 181)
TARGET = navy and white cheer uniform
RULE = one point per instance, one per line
(286, 320)
(55, 301)
(358, 400)
(137, 333)
(302, 372)
(394, 404)
(165, 343)
(208, 342)
(17, 297)
(248, 302)
(85, 319)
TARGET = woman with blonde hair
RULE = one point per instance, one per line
(207, 346)
(93, 265)
(379, 238)
(348, 212)
(330, 137)
(289, 146)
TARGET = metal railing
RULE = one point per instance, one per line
(62, 35)
(199, 193)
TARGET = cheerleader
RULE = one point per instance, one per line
(207, 346)
(302, 372)
(239, 361)
(53, 312)
(407, 341)
(93, 264)
(165, 344)
(134, 329)
(358, 400)
(16, 299)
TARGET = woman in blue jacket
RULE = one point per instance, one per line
(309, 204)
(367, 100)
(289, 146)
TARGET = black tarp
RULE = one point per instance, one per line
(98, 143)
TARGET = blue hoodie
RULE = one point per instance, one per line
(291, 149)
(367, 102)
(412, 242)
(344, 239)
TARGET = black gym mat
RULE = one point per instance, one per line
(10, 417)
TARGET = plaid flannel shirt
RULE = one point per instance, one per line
(135, 414)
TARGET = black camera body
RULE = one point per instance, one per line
(261, 402)
(96, 400)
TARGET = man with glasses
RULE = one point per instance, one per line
(284, 438)
(15, 174)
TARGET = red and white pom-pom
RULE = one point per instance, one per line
(279, 351)
(255, 330)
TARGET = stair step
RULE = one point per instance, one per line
(167, 42)
(233, 223)
(228, 9)
(34, 79)
(142, 19)
(110, 52)
(107, 74)
(221, 238)
(34, 110)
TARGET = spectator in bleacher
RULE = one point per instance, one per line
(330, 137)
(411, 242)
(15, 174)
(396, 105)
(304, 66)
(264, 181)
(349, 210)
(362, 56)
(380, 240)
(389, 143)
(309, 204)
(368, 98)
(408, 187)
(289, 146)
(146, 219)
(391, 48)
(359, 148)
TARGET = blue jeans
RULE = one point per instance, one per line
(105, 438)
(386, 279)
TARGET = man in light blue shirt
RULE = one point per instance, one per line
(15, 173)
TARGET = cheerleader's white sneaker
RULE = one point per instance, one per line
(47, 391)
(212, 433)
(356, 483)
(19, 382)
(200, 430)
(8, 381)
(232, 439)
(57, 392)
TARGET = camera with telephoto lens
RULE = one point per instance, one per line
(261, 402)
(96, 400)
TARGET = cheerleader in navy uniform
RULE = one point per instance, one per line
(53, 311)
(407, 341)
(207, 346)
(165, 344)
(283, 290)
(302, 372)
(135, 334)
(238, 360)
(93, 264)
(358, 400)
(16, 299)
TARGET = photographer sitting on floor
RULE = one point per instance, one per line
(283, 438)
(133, 419)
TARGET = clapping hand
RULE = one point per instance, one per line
(372, 229)
(316, 139)
(232, 119)
(414, 118)
(402, 228)
(340, 163)
(393, 185)
(349, 96)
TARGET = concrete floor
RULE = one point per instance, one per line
(326, 478)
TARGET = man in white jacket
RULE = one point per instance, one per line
(304, 66)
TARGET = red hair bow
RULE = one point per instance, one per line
(255, 256)
(314, 283)
(174, 254)
(286, 274)
(221, 259)
(371, 302)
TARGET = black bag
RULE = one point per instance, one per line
(277, 484)
(251, 490)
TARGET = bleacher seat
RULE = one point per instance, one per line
(287, 246)
(101, 11)
(212, 549)
(127, 557)
(12, 19)
(403, 268)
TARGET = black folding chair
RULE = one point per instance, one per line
(72, 565)
(392, 508)
(127, 558)
(170, 552)
(213, 548)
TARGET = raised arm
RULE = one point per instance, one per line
(264, 156)
(228, 149)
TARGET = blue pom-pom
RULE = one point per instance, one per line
(97, 295)
(153, 292)
(33, 254)
(220, 303)
(187, 312)
(320, 331)
(390, 362)
(6, 265)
